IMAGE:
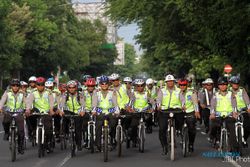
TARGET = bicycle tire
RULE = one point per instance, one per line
(13, 145)
(105, 146)
(119, 142)
(142, 139)
(172, 149)
(91, 142)
(224, 145)
(73, 145)
(40, 144)
(185, 141)
(239, 139)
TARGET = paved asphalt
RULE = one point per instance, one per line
(131, 157)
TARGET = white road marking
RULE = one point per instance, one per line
(234, 163)
(1, 132)
(65, 160)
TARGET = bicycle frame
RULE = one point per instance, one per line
(239, 124)
(91, 123)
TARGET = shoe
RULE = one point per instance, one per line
(191, 148)
(20, 150)
(134, 144)
(207, 130)
(164, 150)
(6, 137)
(245, 145)
(79, 148)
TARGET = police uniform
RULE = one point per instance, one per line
(74, 103)
(168, 99)
(104, 100)
(224, 104)
(41, 102)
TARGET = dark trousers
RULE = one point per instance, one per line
(216, 125)
(205, 116)
(163, 125)
(191, 123)
(112, 127)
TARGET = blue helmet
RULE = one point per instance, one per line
(103, 79)
(235, 80)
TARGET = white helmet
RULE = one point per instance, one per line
(49, 84)
(139, 82)
(169, 78)
(72, 82)
(23, 83)
(114, 76)
(127, 79)
(32, 78)
(209, 81)
(149, 81)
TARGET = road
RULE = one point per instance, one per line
(131, 157)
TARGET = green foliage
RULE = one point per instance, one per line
(183, 36)
(36, 36)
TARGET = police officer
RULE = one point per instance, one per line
(41, 100)
(168, 98)
(191, 108)
(139, 101)
(32, 84)
(121, 91)
(223, 104)
(205, 102)
(12, 101)
(243, 104)
(103, 102)
(73, 102)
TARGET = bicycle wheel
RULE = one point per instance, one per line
(91, 142)
(185, 141)
(142, 139)
(40, 144)
(239, 139)
(13, 145)
(119, 141)
(223, 144)
(73, 145)
(105, 142)
(172, 138)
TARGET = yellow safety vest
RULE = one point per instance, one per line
(223, 103)
(175, 99)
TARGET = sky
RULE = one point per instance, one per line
(127, 32)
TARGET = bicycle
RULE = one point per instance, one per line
(172, 130)
(141, 128)
(119, 134)
(239, 131)
(13, 130)
(63, 135)
(91, 133)
(72, 139)
(105, 139)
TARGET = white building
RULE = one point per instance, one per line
(96, 10)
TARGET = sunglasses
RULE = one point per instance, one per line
(15, 85)
(71, 87)
(127, 83)
(91, 86)
(183, 85)
(139, 86)
(209, 84)
(40, 84)
(104, 83)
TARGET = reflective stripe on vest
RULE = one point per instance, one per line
(224, 104)
(105, 103)
(175, 99)
(189, 103)
(72, 104)
(239, 99)
(141, 100)
(88, 101)
(14, 102)
(41, 101)
(122, 97)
